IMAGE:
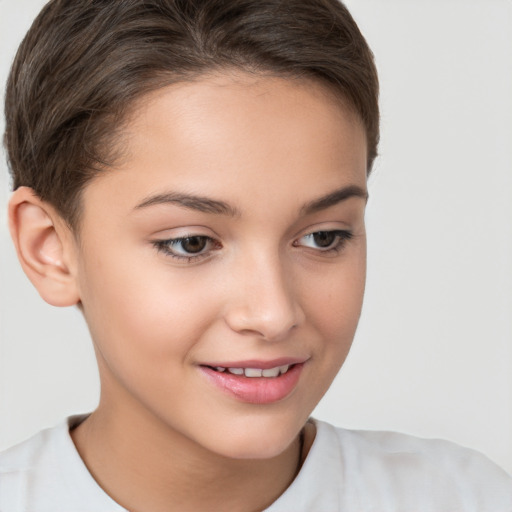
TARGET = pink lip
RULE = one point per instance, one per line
(255, 390)
(256, 363)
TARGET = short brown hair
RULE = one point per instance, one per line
(84, 62)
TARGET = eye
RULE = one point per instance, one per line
(188, 247)
(325, 241)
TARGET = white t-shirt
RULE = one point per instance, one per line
(345, 471)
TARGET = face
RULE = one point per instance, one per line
(221, 265)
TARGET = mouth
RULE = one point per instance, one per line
(253, 382)
(251, 373)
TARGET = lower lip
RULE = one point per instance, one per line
(256, 390)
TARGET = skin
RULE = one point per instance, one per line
(163, 437)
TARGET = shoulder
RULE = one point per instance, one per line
(383, 447)
(408, 469)
(27, 456)
(45, 474)
(21, 464)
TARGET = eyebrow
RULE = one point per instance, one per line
(192, 202)
(334, 198)
(207, 205)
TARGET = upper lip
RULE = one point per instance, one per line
(257, 363)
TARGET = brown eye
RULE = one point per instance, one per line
(325, 241)
(194, 244)
(189, 248)
(324, 238)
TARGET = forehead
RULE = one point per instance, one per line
(222, 135)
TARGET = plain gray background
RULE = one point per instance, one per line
(433, 353)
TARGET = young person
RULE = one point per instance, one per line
(192, 175)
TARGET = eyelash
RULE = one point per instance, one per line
(341, 237)
(166, 246)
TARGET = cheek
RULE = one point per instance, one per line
(334, 311)
(335, 301)
(141, 312)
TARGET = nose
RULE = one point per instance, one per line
(264, 301)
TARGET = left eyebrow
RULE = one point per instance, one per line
(334, 198)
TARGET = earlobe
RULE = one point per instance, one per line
(44, 246)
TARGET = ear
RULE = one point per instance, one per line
(45, 246)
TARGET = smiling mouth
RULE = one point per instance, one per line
(254, 372)
(247, 383)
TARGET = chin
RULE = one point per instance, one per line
(254, 450)
(259, 440)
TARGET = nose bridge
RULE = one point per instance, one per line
(265, 302)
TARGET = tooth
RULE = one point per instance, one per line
(253, 372)
(220, 368)
(284, 369)
(236, 371)
(271, 372)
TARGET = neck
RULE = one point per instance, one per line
(144, 465)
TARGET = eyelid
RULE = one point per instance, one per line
(341, 237)
(164, 245)
(184, 231)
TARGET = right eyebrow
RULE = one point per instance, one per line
(191, 202)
